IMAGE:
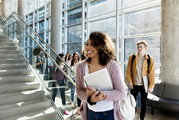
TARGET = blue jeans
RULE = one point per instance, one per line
(62, 91)
(139, 100)
(107, 115)
(72, 87)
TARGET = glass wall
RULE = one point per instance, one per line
(130, 20)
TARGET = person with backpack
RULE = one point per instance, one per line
(140, 64)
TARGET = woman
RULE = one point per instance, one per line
(58, 75)
(100, 105)
(73, 64)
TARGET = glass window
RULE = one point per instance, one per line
(107, 26)
(101, 7)
(72, 3)
(74, 47)
(128, 3)
(74, 34)
(144, 21)
(74, 15)
(153, 47)
(41, 26)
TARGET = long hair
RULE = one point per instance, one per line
(73, 60)
(58, 60)
(104, 46)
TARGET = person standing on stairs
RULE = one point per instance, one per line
(60, 80)
(37, 60)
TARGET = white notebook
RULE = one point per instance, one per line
(146, 83)
(99, 80)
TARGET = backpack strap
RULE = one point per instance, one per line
(148, 62)
(132, 60)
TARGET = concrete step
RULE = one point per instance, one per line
(16, 61)
(6, 43)
(11, 99)
(6, 40)
(51, 116)
(24, 109)
(18, 87)
(8, 48)
(14, 72)
(10, 56)
(9, 52)
(37, 115)
(4, 37)
(16, 79)
(12, 66)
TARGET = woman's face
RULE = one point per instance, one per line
(76, 57)
(91, 50)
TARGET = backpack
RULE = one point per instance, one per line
(127, 106)
(133, 58)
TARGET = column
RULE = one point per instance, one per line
(20, 11)
(170, 40)
(56, 22)
(3, 7)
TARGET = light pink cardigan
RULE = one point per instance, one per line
(118, 92)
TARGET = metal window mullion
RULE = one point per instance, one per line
(65, 28)
(122, 37)
(45, 21)
(83, 25)
(117, 30)
(88, 15)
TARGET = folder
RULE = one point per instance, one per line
(99, 80)
(146, 83)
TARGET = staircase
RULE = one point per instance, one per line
(21, 96)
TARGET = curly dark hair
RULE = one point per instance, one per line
(104, 46)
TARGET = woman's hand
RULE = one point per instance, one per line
(98, 96)
(90, 91)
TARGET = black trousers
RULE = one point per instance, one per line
(134, 92)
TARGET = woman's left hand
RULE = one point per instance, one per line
(90, 91)
(98, 96)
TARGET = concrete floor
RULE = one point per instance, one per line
(158, 115)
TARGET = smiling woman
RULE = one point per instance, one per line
(100, 105)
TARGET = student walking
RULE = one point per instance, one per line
(100, 105)
(139, 65)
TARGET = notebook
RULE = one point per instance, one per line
(145, 81)
(99, 80)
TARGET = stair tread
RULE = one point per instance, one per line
(24, 108)
(34, 115)
(26, 102)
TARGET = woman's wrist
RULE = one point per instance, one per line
(89, 101)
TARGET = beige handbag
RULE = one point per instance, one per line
(127, 107)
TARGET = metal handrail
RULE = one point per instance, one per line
(41, 40)
(44, 88)
(44, 50)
